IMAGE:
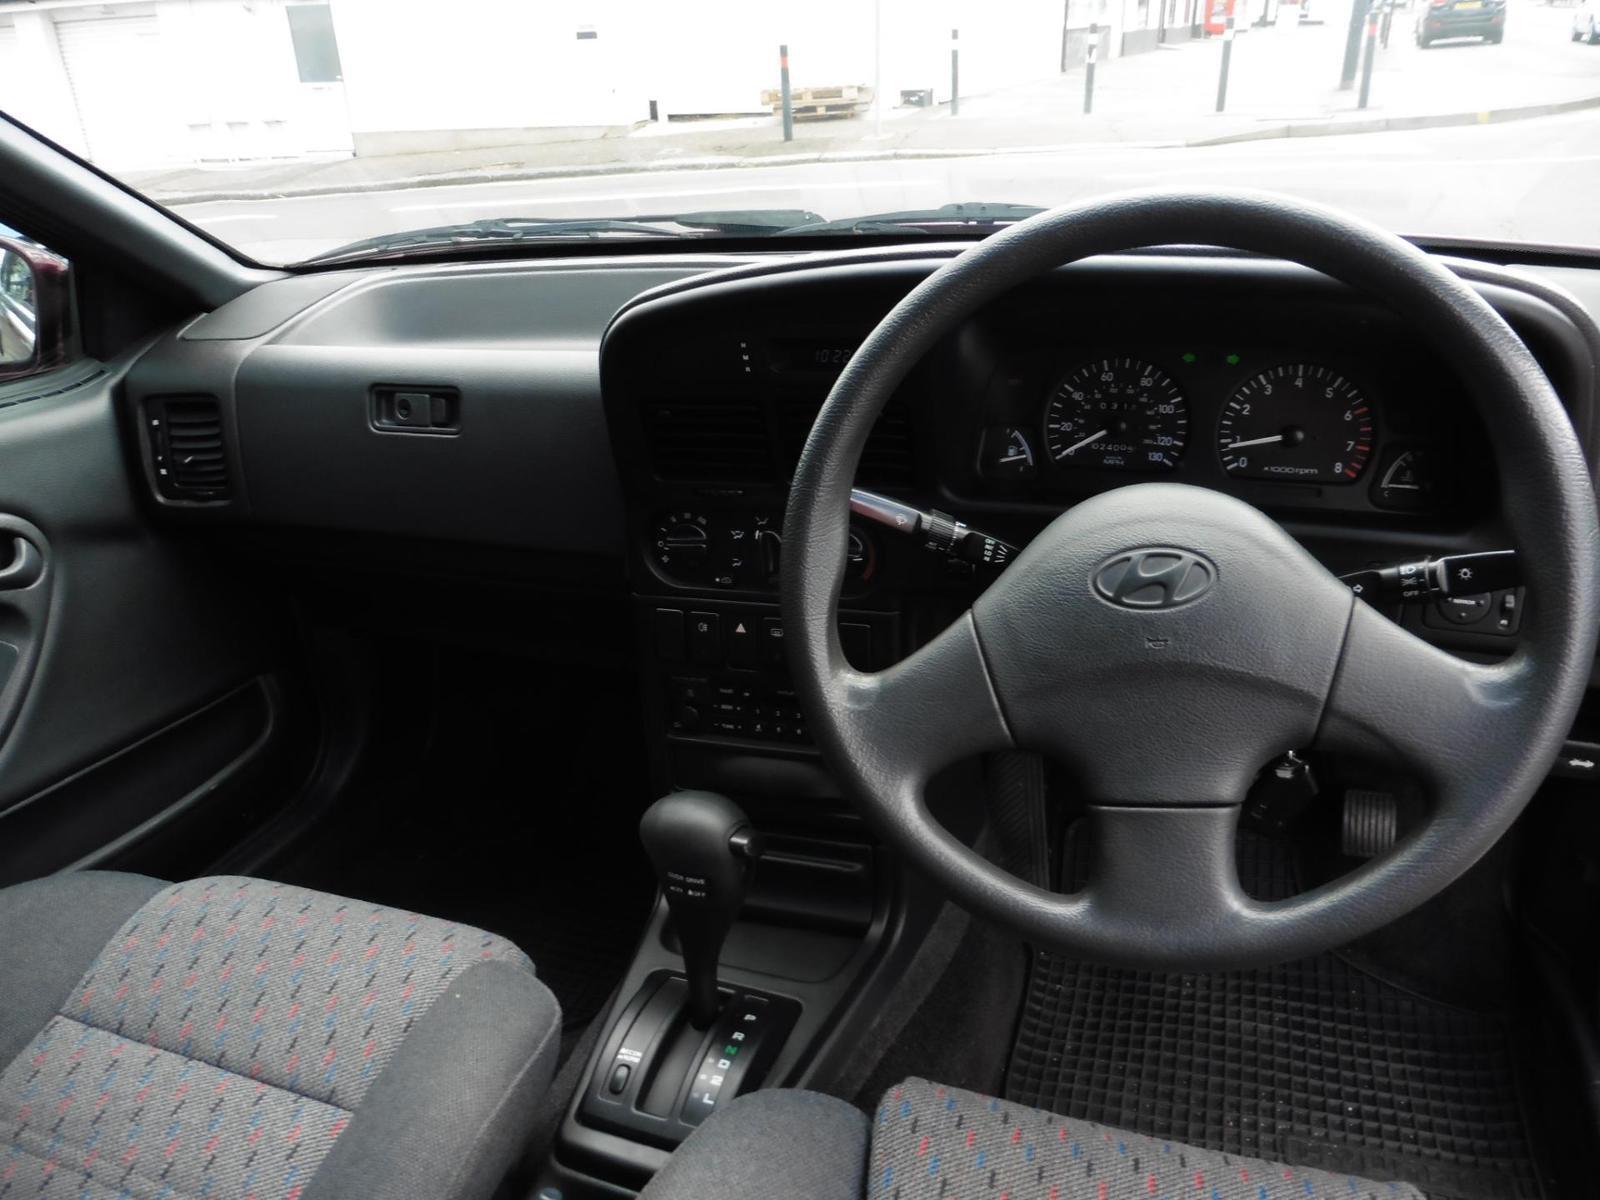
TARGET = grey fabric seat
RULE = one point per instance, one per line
(930, 1141)
(229, 1038)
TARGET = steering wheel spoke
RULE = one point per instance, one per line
(1398, 699)
(932, 709)
(1161, 879)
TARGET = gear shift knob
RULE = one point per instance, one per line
(702, 848)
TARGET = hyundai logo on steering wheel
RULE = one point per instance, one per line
(1154, 577)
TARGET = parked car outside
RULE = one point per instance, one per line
(1586, 23)
(17, 318)
(1443, 19)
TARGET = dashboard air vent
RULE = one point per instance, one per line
(887, 458)
(187, 447)
(721, 440)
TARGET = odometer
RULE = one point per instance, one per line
(1118, 413)
(1298, 423)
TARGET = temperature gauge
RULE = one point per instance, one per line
(1006, 453)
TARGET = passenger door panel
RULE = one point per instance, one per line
(121, 635)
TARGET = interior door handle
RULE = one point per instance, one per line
(26, 565)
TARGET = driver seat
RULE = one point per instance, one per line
(930, 1141)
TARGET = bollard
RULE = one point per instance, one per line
(1091, 51)
(955, 73)
(1372, 53)
(788, 101)
(1227, 58)
(877, 68)
(1352, 48)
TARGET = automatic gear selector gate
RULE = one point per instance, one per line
(683, 1045)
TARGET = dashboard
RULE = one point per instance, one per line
(1299, 398)
(567, 419)
(1250, 377)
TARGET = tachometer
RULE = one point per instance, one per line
(1299, 423)
(1119, 413)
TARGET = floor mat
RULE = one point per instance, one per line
(1314, 1062)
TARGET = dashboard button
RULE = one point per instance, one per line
(669, 634)
(1465, 610)
(772, 634)
(705, 637)
(1578, 760)
(1509, 612)
(744, 643)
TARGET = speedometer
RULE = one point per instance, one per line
(1119, 413)
(1298, 423)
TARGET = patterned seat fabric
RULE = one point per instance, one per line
(931, 1141)
(222, 1042)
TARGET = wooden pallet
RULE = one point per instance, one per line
(821, 103)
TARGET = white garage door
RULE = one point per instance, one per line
(117, 80)
(10, 62)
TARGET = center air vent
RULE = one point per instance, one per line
(718, 440)
(887, 456)
(187, 448)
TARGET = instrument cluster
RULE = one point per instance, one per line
(1315, 425)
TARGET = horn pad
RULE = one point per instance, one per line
(1166, 641)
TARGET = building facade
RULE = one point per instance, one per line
(144, 83)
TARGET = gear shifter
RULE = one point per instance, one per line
(702, 847)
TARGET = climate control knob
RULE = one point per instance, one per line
(682, 543)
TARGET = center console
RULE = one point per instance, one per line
(758, 962)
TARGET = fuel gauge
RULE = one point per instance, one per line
(1006, 453)
(1408, 480)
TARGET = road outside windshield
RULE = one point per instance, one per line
(385, 128)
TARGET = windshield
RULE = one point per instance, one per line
(360, 129)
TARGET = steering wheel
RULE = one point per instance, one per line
(1167, 712)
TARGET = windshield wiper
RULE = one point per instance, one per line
(946, 219)
(491, 230)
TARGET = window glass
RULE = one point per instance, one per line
(345, 129)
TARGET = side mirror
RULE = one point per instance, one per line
(35, 303)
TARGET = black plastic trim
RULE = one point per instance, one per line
(104, 812)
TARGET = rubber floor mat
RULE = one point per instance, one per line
(1315, 1063)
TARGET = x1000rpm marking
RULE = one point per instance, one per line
(1298, 423)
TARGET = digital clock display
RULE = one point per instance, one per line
(811, 355)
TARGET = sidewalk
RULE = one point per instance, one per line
(1282, 83)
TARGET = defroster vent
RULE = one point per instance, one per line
(188, 448)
